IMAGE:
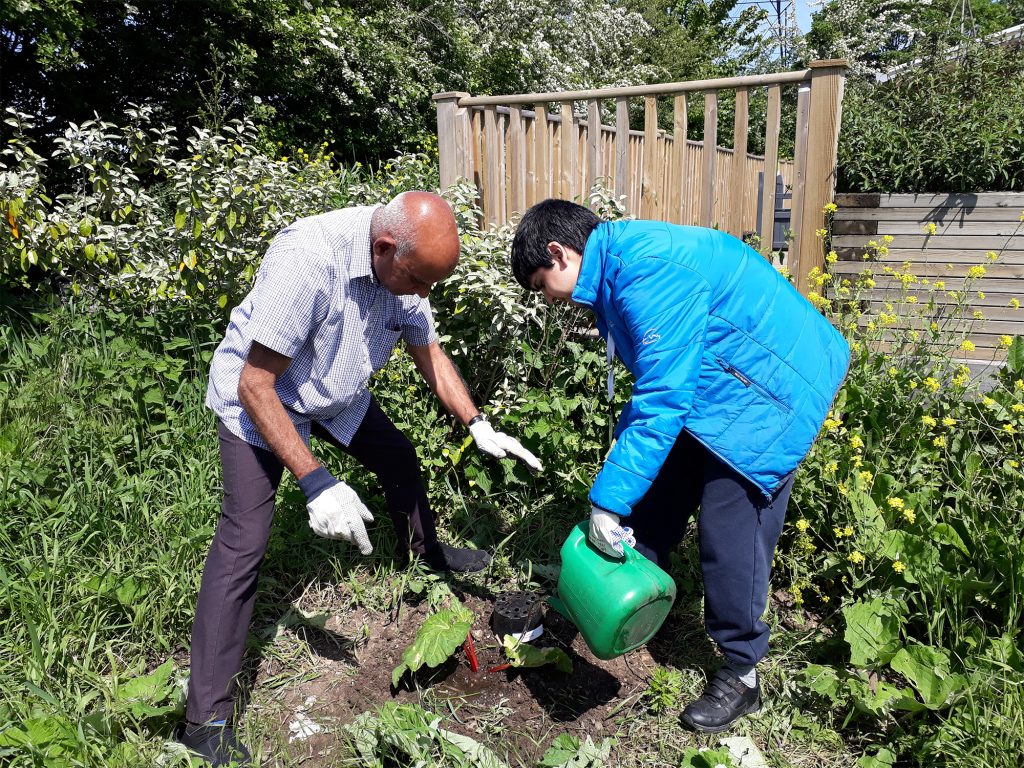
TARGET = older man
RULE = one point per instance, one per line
(333, 295)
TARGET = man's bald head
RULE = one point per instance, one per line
(415, 242)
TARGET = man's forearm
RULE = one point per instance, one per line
(268, 414)
(445, 381)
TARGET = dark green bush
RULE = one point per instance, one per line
(945, 125)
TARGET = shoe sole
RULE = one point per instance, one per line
(755, 707)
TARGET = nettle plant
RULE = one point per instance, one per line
(145, 217)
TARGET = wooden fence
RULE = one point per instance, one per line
(517, 156)
(967, 228)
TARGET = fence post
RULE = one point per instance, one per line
(452, 137)
(825, 111)
(593, 145)
(678, 175)
(649, 193)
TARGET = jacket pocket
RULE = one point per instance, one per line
(748, 382)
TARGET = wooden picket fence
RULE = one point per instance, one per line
(517, 156)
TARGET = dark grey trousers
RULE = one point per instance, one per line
(228, 591)
(738, 530)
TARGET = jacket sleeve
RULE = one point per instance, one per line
(665, 307)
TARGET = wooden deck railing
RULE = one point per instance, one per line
(517, 156)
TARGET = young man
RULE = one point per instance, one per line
(333, 295)
(734, 374)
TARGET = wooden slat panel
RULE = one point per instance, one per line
(968, 227)
(803, 102)
(544, 160)
(517, 162)
(678, 175)
(649, 191)
(924, 215)
(936, 271)
(494, 177)
(900, 255)
(593, 144)
(570, 159)
(771, 161)
(530, 149)
(708, 188)
(978, 242)
(737, 179)
(1011, 200)
(622, 165)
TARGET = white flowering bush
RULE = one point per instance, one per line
(143, 216)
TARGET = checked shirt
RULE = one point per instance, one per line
(317, 301)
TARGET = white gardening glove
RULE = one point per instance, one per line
(335, 511)
(607, 535)
(498, 444)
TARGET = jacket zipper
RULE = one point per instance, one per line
(734, 468)
(746, 381)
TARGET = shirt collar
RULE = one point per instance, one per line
(362, 248)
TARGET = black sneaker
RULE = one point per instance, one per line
(217, 744)
(724, 701)
(457, 559)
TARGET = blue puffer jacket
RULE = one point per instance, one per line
(719, 344)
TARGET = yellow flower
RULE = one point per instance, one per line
(832, 257)
(1005, 341)
(988, 402)
(948, 422)
(866, 476)
(821, 232)
(1015, 303)
(911, 299)
(802, 525)
(1009, 429)
(939, 442)
(824, 598)
(843, 490)
(893, 371)
(940, 285)
(832, 466)
(934, 326)
(856, 557)
(929, 228)
(909, 515)
(976, 271)
(1017, 407)
(856, 442)
(1019, 385)
(928, 421)
(992, 256)
(847, 531)
(978, 314)
(981, 294)
(838, 532)
(898, 566)
(869, 283)
(896, 503)
(830, 208)
(931, 384)
(831, 424)
(1014, 463)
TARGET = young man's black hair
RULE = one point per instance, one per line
(549, 221)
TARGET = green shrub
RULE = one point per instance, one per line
(940, 126)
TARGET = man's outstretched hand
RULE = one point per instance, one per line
(335, 511)
(500, 445)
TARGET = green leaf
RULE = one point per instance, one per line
(525, 655)
(232, 219)
(436, 640)
(567, 751)
(822, 680)
(873, 630)
(179, 220)
(883, 758)
(928, 670)
(90, 251)
(1015, 355)
(947, 534)
(694, 757)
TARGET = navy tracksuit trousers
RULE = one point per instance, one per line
(738, 530)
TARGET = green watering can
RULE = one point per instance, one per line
(617, 605)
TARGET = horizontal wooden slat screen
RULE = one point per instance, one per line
(968, 228)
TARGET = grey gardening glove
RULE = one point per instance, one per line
(335, 511)
(607, 535)
(500, 445)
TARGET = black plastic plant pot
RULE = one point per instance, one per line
(520, 615)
